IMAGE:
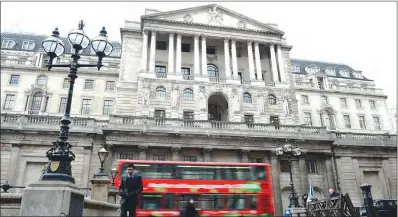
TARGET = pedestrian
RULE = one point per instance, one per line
(130, 188)
(332, 193)
(190, 210)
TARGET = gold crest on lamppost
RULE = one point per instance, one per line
(54, 166)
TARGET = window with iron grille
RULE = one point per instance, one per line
(185, 71)
(160, 113)
(271, 99)
(188, 94)
(190, 158)
(185, 47)
(307, 118)
(257, 160)
(66, 83)
(376, 122)
(247, 98)
(160, 92)
(188, 115)
(161, 45)
(110, 86)
(89, 84)
(108, 107)
(311, 166)
(126, 156)
(248, 119)
(62, 105)
(36, 102)
(358, 103)
(14, 80)
(159, 157)
(86, 107)
(9, 102)
(274, 119)
(362, 123)
(347, 121)
(42, 79)
(160, 69)
(284, 166)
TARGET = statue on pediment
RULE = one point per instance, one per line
(174, 96)
(215, 16)
(286, 103)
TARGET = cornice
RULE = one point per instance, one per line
(341, 92)
(134, 31)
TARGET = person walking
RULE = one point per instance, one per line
(332, 193)
(190, 210)
(130, 188)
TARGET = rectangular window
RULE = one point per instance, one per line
(159, 157)
(307, 119)
(321, 83)
(66, 83)
(108, 107)
(185, 47)
(284, 166)
(190, 158)
(376, 122)
(126, 156)
(211, 50)
(305, 100)
(89, 84)
(248, 119)
(188, 115)
(7, 44)
(160, 69)
(358, 103)
(347, 121)
(185, 71)
(86, 107)
(160, 113)
(274, 119)
(362, 123)
(296, 69)
(161, 45)
(343, 102)
(28, 45)
(62, 105)
(311, 166)
(257, 160)
(14, 80)
(238, 53)
(372, 104)
(9, 102)
(110, 86)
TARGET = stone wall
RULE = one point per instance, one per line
(10, 204)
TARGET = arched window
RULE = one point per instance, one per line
(271, 99)
(36, 103)
(212, 71)
(247, 98)
(160, 92)
(42, 79)
(188, 94)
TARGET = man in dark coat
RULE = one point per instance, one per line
(130, 188)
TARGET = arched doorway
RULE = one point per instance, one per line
(217, 107)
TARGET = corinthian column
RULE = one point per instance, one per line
(144, 53)
(196, 56)
(178, 54)
(258, 63)
(226, 58)
(281, 64)
(153, 50)
(250, 57)
(171, 53)
(204, 57)
(234, 59)
(273, 63)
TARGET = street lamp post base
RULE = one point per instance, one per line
(57, 177)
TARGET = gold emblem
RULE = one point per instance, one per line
(54, 165)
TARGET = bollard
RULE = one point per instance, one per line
(368, 200)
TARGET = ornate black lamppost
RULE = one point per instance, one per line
(102, 155)
(290, 151)
(60, 156)
(113, 173)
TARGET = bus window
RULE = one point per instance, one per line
(192, 172)
(257, 173)
(186, 197)
(170, 201)
(236, 202)
(153, 171)
(151, 201)
(212, 202)
(252, 201)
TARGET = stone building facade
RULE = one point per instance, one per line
(204, 84)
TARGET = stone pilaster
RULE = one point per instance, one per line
(226, 58)
(277, 185)
(258, 61)
(204, 57)
(12, 170)
(196, 56)
(250, 58)
(171, 54)
(329, 173)
(178, 54)
(207, 152)
(144, 52)
(84, 181)
(234, 59)
(303, 175)
(175, 153)
(153, 52)
(274, 67)
(281, 64)
(143, 149)
(244, 153)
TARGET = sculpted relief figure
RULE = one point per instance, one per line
(215, 16)
(202, 99)
(145, 94)
(286, 103)
(260, 103)
(175, 96)
(235, 102)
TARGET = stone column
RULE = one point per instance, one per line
(303, 177)
(281, 63)
(274, 67)
(277, 185)
(226, 58)
(207, 154)
(204, 57)
(12, 166)
(153, 51)
(86, 166)
(178, 54)
(196, 56)
(245, 155)
(250, 58)
(144, 53)
(99, 188)
(258, 61)
(329, 173)
(143, 151)
(234, 59)
(175, 152)
(171, 54)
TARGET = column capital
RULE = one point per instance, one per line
(249, 41)
(196, 35)
(171, 34)
(203, 36)
(154, 32)
(179, 34)
(233, 39)
(256, 43)
(226, 38)
(145, 31)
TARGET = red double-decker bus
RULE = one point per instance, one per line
(218, 189)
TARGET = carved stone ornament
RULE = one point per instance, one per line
(203, 98)
(175, 149)
(143, 148)
(188, 18)
(174, 96)
(215, 16)
(244, 152)
(241, 24)
(207, 151)
(145, 93)
(260, 102)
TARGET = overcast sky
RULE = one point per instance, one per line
(360, 34)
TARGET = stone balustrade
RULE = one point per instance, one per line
(345, 88)
(198, 127)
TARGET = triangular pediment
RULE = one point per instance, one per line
(213, 15)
